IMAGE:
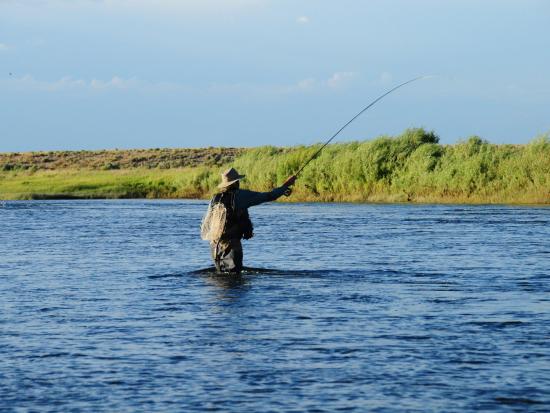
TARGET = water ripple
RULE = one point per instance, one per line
(113, 306)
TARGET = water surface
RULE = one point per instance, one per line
(364, 308)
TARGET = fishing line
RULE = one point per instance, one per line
(355, 117)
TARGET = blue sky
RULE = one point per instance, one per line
(91, 74)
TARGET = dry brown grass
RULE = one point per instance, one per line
(117, 159)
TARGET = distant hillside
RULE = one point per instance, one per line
(117, 159)
(411, 167)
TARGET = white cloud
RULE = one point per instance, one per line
(177, 6)
(116, 83)
(68, 83)
(3, 47)
(340, 79)
(302, 20)
(306, 84)
(30, 83)
(128, 6)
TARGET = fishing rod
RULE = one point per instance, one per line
(355, 117)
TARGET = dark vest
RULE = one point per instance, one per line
(237, 221)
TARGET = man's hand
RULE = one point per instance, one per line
(290, 181)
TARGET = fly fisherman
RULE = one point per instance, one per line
(227, 222)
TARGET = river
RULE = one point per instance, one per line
(357, 308)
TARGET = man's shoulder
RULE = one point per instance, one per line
(216, 196)
(222, 196)
(243, 198)
(243, 194)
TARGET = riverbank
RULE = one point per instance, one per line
(412, 167)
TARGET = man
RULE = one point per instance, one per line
(227, 251)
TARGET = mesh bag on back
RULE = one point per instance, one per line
(213, 222)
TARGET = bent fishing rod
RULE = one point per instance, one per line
(355, 117)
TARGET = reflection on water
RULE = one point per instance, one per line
(114, 306)
(230, 282)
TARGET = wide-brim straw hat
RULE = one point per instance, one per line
(229, 177)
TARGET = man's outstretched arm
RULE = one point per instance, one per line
(246, 198)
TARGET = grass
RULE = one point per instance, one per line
(412, 167)
(129, 183)
(117, 159)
